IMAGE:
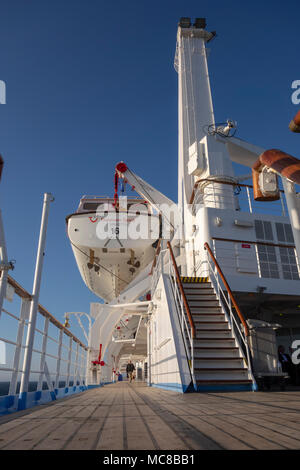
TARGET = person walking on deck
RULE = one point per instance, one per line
(130, 371)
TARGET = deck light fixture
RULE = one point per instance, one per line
(185, 22)
(200, 23)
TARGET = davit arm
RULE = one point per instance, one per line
(165, 206)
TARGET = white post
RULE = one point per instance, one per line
(60, 341)
(5, 264)
(69, 362)
(43, 355)
(149, 345)
(88, 353)
(162, 253)
(82, 350)
(282, 205)
(249, 199)
(293, 206)
(87, 337)
(35, 298)
(16, 364)
(76, 371)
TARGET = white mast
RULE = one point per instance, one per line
(195, 108)
(200, 154)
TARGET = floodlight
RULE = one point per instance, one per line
(200, 23)
(185, 22)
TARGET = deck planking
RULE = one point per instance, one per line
(125, 416)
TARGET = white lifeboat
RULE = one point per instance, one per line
(112, 243)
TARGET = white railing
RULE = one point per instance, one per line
(262, 259)
(185, 326)
(58, 357)
(240, 330)
(240, 196)
(165, 263)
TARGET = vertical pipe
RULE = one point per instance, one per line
(82, 369)
(43, 355)
(69, 362)
(293, 206)
(16, 364)
(35, 301)
(297, 261)
(148, 351)
(76, 371)
(4, 261)
(162, 252)
(58, 362)
(249, 199)
(282, 205)
(88, 353)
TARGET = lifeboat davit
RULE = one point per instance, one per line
(112, 243)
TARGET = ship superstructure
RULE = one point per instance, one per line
(181, 281)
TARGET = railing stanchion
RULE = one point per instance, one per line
(35, 298)
(69, 362)
(58, 359)
(82, 371)
(249, 199)
(24, 310)
(43, 355)
(76, 372)
(282, 204)
(4, 261)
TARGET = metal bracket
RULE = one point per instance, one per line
(7, 266)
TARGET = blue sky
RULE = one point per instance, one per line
(90, 83)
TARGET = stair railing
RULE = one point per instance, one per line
(184, 314)
(157, 266)
(215, 274)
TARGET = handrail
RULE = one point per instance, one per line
(253, 242)
(241, 317)
(24, 294)
(155, 256)
(187, 308)
(230, 183)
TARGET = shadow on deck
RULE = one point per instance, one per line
(133, 416)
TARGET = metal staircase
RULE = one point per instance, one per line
(213, 329)
(219, 362)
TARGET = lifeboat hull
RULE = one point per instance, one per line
(110, 252)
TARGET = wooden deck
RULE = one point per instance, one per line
(133, 416)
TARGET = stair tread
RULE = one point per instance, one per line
(219, 358)
(214, 339)
(197, 285)
(227, 348)
(191, 305)
(205, 322)
(193, 294)
(221, 368)
(208, 314)
(220, 381)
(202, 300)
(206, 308)
(214, 329)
